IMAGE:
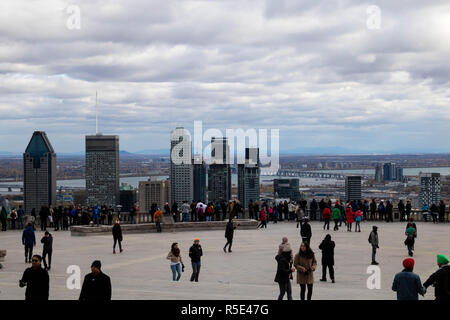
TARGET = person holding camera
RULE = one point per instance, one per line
(305, 263)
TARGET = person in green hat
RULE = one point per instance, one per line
(440, 279)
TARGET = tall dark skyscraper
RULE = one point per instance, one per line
(39, 169)
(248, 177)
(102, 169)
(199, 178)
(353, 188)
(219, 174)
(389, 171)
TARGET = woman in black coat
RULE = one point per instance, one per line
(327, 247)
(117, 235)
(229, 233)
(284, 274)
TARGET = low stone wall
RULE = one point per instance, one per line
(166, 227)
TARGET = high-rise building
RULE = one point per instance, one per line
(248, 177)
(39, 171)
(153, 191)
(127, 197)
(430, 189)
(378, 173)
(389, 171)
(199, 174)
(219, 174)
(287, 188)
(399, 174)
(102, 169)
(181, 173)
(353, 188)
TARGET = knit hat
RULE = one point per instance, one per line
(408, 263)
(97, 264)
(284, 247)
(441, 259)
(196, 239)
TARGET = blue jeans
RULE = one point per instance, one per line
(176, 268)
(185, 217)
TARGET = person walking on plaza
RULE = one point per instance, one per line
(410, 236)
(176, 262)
(326, 216)
(117, 236)
(440, 279)
(305, 231)
(29, 241)
(407, 284)
(47, 241)
(305, 263)
(3, 218)
(36, 280)
(195, 253)
(349, 216)
(358, 219)
(263, 219)
(158, 219)
(336, 216)
(96, 285)
(373, 240)
(327, 247)
(284, 271)
(229, 232)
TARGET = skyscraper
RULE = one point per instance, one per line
(199, 178)
(248, 177)
(287, 188)
(219, 174)
(389, 171)
(378, 173)
(430, 188)
(39, 170)
(399, 174)
(102, 169)
(353, 188)
(181, 174)
(153, 191)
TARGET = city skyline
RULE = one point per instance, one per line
(320, 73)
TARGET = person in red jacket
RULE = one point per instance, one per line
(262, 218)
(326, 216)
(349, 214)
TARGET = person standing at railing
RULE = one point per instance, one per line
(442, 211)
(20, 217)
(3, 218)
(401, 210)
(158, 219)
(408, 208)
(373, 210)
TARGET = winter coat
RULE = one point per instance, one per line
(28, 236)
(327, 247)
(173, 258)
(96, 288)
(48, 243)
(262, 216)
(37, 282)
(305, 269)
(229, 231)
(283, 269)
(349, 214)
(117, 232)
(358, 216)
(305, 230)
(441, 281)
(336, 213)
(408, 286)
(374, 239)
(195, 252)
(326, 214)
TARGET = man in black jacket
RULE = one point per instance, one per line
(440, 279)
(327, 247)
(36, 280)
(96, 285)
(229, 232)
(305, 231)
(47, 240)
(195, 253)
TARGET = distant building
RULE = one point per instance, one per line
(287, 188)
(199, 174)
(127, 197)
(248, 177)
(39, 168)
(102, 169)
(389, 171)
(153, 191)
(181, 173)
(378, 173)
(399, 174)
(430, 188)
(219, 174)
(353, 188)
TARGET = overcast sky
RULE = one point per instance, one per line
(330, 75)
